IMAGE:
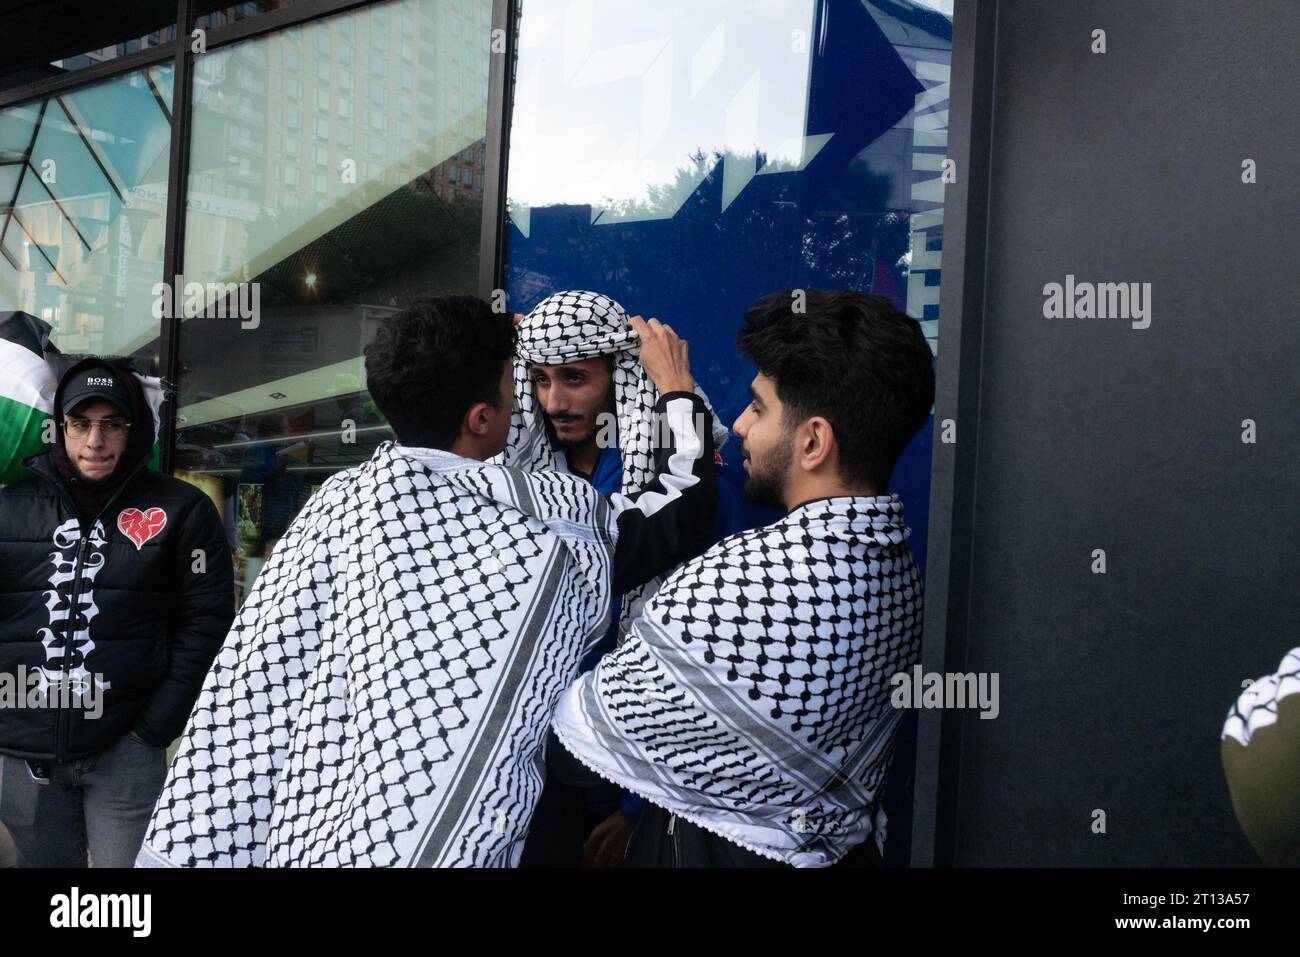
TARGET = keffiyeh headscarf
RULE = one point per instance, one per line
(752, 697)
(569, 327)
(1256, 706)
(1260, 749)
(384, 693)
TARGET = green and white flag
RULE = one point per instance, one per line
(27, 383)
(30, 367)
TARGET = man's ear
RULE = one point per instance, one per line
(814, 444)
(478, 418)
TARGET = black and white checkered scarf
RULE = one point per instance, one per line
(569, 327)
(752, 696)
(384, 693)
(1256, 706)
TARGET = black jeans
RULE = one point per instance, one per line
(574, 801)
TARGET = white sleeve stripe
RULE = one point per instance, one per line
(679, 415)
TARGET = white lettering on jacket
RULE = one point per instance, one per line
(58, 600)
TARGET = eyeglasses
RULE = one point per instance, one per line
(109, 427)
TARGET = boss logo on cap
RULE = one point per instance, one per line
(99, 380)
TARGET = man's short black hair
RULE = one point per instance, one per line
(429, 363)
(853, 358)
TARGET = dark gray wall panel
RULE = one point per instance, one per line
(1087, 433)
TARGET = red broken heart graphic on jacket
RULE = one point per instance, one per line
(141, 526)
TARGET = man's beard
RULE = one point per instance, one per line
(574, 439)
(765, 485)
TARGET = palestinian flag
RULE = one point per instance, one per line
(27, 382)
(30, 368)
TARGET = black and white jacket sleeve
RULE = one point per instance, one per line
(670, 519)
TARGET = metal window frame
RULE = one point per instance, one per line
(169, 345)
(178, 53)
(269, 22)
(492, 240)
(75, 79)
(958, 384)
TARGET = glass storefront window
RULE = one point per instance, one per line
(687, 156)
(83, 201)
(270, 408)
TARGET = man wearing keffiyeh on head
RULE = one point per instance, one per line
(750, 704)
(583, 405)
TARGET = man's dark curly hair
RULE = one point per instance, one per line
(852, 358)
(429, 363)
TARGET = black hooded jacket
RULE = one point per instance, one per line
(144, 561)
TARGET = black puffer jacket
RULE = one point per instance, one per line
(148, 568)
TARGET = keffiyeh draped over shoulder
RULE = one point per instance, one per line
(569, 327)
(752, 697)
(384, 693)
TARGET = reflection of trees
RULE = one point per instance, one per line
(828, 231)
(675, 253)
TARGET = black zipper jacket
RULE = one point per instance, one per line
(136, 593)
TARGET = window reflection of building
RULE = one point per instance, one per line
(83, 194)
(240, 11)
(339, 165)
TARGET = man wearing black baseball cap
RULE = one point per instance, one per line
(117, 595)
(100, 394)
